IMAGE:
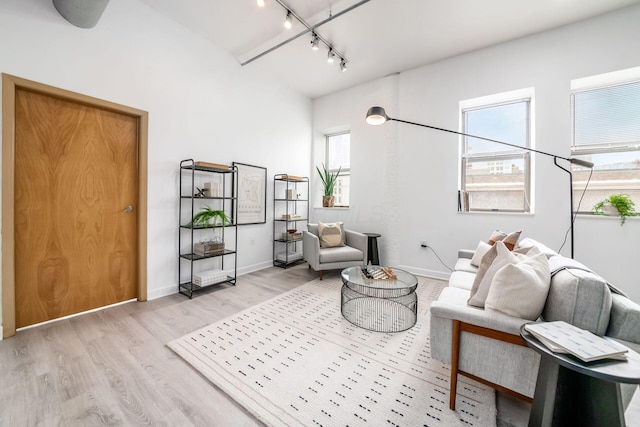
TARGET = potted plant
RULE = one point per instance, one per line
(209, 217)
(616, 204)
(328, 184)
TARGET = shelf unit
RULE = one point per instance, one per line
(194, 176)
(290, 212)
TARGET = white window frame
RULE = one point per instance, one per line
(344, 172)
(593, 83)
(511, 97)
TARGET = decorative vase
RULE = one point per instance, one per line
(610, 210)
(327, 201)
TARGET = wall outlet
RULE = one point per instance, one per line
(423, 244)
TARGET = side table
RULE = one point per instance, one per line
(372, 248)
(571, 392)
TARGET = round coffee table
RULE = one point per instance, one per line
(389, 305)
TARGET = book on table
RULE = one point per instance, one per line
(562, 337)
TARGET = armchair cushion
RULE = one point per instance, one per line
(331, 235)
(340, 254)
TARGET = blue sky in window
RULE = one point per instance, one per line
(506, 123)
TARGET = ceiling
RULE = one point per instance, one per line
(377, 38)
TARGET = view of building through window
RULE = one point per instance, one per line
(339, 158)
(606, 132)
(496, 177)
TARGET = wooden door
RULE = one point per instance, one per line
(75, 238)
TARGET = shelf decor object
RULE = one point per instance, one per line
(377, 116)
(205, 259)
(251, 189)
(290, 216)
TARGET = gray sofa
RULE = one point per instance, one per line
(488, 344)
(353, 253)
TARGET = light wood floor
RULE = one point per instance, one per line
(112, 367)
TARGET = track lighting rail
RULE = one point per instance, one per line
(309, 29)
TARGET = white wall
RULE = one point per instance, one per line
(202, 104)
(404, 178)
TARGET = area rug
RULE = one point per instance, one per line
(295, 361)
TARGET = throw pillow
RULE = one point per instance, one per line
(520, 290)
(510, 240)
(494, 260)
(331, 235)
(496, 236)
(481, 250)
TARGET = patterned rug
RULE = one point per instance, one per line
(295, 361)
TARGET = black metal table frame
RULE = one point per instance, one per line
(380, 306)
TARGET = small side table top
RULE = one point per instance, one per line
(607, 369)
(572, 392)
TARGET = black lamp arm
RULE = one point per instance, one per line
(568, 159)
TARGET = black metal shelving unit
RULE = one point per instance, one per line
(193, 176)
(290, 212)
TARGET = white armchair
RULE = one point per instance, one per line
(353, 253)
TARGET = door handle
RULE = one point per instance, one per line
(128, 209)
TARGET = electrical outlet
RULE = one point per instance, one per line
(423, 244)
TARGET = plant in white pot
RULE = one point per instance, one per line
(328, 184)
(616, 205)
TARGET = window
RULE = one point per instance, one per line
(606, 132)
(339, 158)
(496, 177)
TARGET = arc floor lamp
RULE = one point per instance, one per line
(377, 116)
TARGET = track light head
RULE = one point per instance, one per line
(260, 3)
(343, 65)
(315, 42)
(287, 20)
(331, 56)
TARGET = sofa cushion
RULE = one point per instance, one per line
(624, 322)
(462, 280)
(331, 235)
(488, 268)
(481, 250)
(464, 264)
(579, 297)
(520, 290)
(340, 254)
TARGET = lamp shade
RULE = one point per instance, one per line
(376, 116)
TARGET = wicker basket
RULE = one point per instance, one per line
(208, 248)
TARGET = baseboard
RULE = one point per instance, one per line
(433, 274)
(173, 288)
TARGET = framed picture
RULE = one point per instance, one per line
(252, 194)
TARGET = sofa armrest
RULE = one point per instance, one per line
(357, 240)
(311, 249)
(477, 316)
(466, 253)
(624, 321)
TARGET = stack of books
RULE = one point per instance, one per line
(562, 337)
(291, 216)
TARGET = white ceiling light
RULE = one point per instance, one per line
(343, 65)
(331, 56)
(287, 20)
(260, 3)
(315, 42)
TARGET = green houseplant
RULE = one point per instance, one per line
(206, 218)
(328, 183)
(616, 204)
